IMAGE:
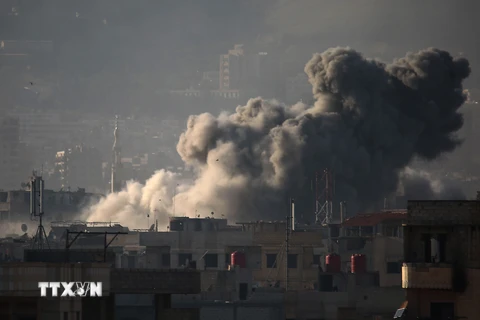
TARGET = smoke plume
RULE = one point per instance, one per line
(369, 121)
(421, 185)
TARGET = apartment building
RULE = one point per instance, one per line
(441, 272)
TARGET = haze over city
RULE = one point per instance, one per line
(239, 159)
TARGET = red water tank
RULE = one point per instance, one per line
(237, 258)
(333, 263)
(358, 263)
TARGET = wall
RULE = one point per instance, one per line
(272, 309)
(22, 278)
(443, 213)
(384, 250)
(379, 250)
(155, 281)
(301, 244)
(196, 243)
(466, 303)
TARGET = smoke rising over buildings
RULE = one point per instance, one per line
(369, 121)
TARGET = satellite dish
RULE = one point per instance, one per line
(24, 227)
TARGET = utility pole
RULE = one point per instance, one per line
(289, 226)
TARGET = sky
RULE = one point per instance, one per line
(121, 54)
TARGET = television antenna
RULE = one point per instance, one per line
(36, 210)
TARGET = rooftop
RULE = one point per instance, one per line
(372, 219)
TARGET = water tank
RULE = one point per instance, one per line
(358, 263)
(333, 263)
(238, 259)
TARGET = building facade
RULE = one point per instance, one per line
(441, 272)
(79, 167)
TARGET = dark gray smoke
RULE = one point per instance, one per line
(369, 121)
(421, 185)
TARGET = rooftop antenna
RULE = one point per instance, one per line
(115, 179)
(324, 211)
(37, 186)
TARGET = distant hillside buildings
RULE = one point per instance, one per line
(80, 166)
(13, 156)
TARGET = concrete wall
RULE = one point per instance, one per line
(256, 241)
(379, 250)
(445, 212)
(384, 250)
(155, 281)
(302, 244)
(21, 279)
(196, 244)
(466, 303)
(459, 221)
(248, 310)
(135, 306)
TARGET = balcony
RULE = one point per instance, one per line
(427, 276)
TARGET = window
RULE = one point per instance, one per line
(211, 260)
(65, 316)
(394, 267)
(166, 260)
(316, 259)
(183, 257)
(442, 248)
(242, 291)
(131, 262)
(292, 261)
(271, 260)
(227, 258)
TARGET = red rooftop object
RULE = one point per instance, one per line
(372, 219)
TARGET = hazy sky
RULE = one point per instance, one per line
(147, 46)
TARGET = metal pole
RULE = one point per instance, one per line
(174, 196)
(67, 245)
(105, 245)
(287, 238)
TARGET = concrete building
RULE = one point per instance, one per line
(257, 291)
(79, 167)
(210, 243)
(126, 294)
(441, 270)
(379, 236)
(232, 68)
(251, 72)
